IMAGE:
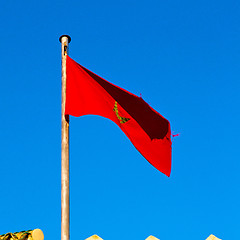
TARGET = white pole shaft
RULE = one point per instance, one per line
(65, 233)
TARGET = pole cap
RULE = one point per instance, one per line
(69, 38)
(37, 234)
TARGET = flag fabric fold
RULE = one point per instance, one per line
(89, 94)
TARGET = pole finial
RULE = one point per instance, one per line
(69, 38)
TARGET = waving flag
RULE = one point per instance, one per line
(87, 93)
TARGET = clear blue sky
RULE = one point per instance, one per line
(183, 57)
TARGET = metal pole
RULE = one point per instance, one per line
(64, 39)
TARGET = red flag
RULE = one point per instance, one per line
(87, 93)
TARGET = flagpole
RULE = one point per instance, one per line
(65, 234)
